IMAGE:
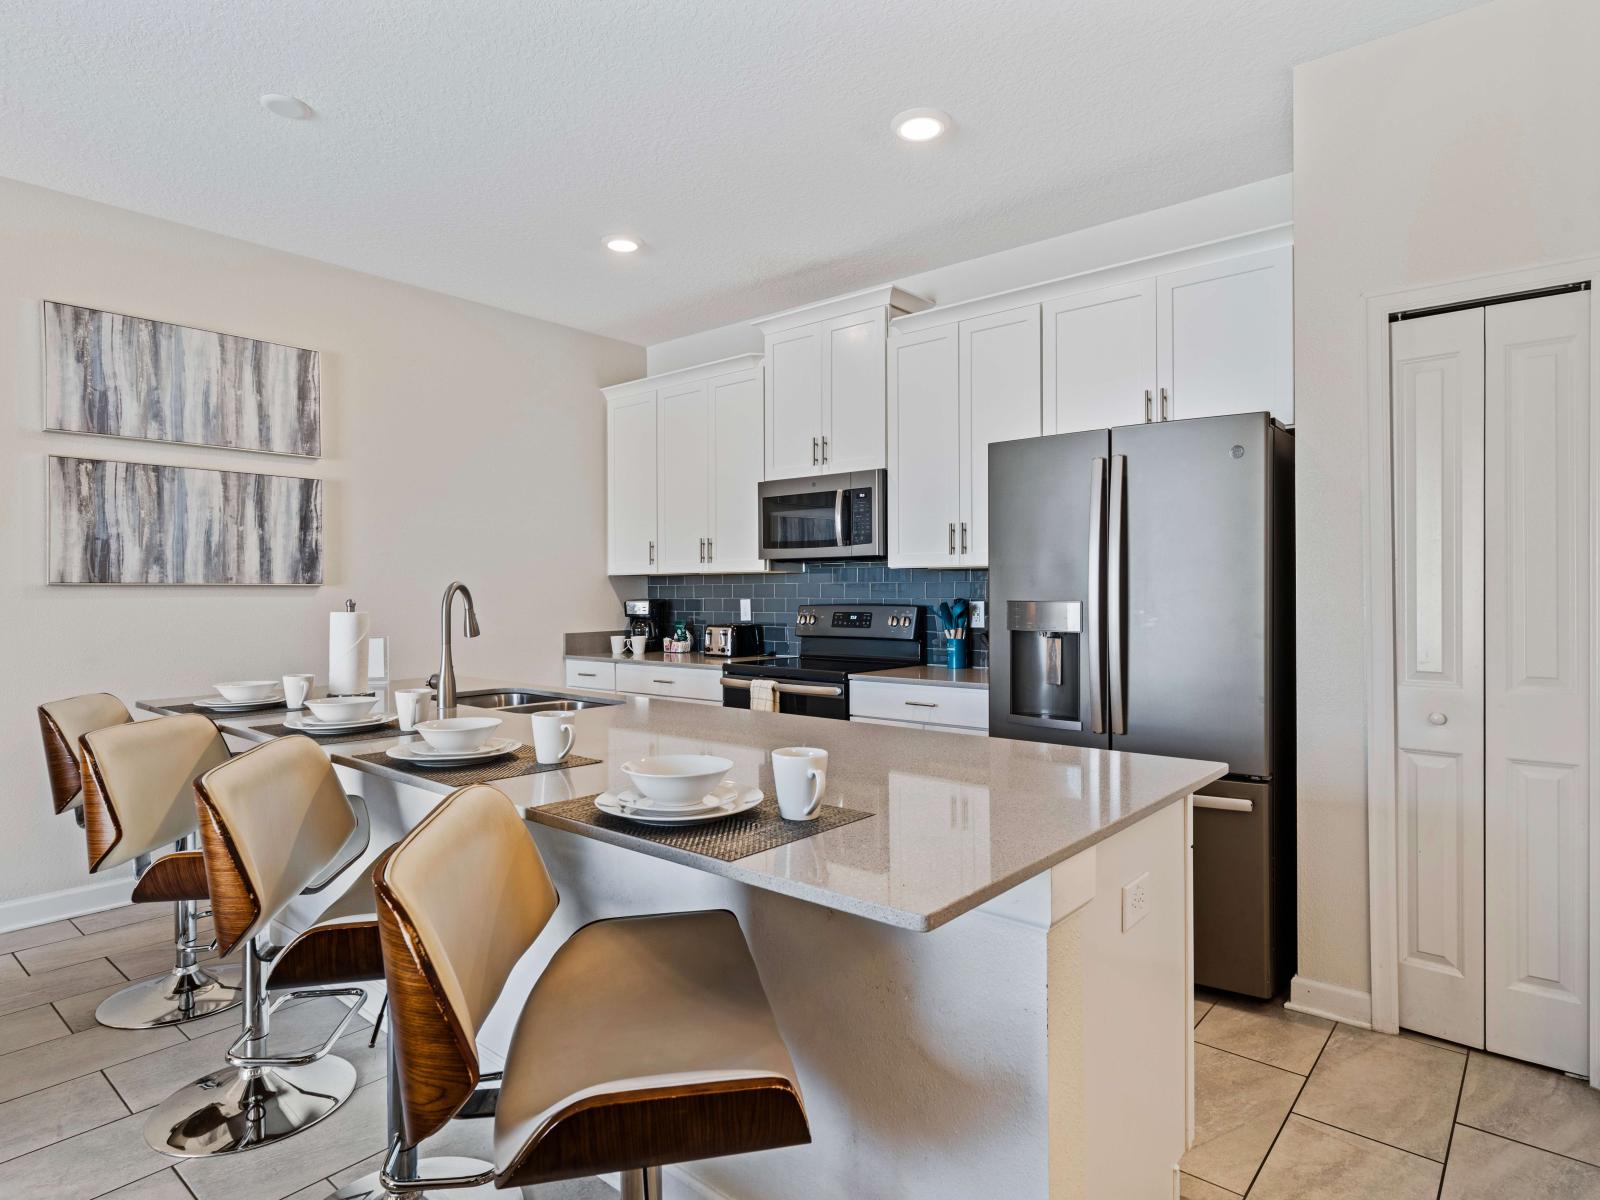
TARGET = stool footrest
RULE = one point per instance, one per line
(404, 1186)
(357, 997)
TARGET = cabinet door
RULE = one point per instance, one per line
(794, 403)
(736, 439)
(925, 454)
(683, 471)
(631, 485)
(853, 412)
(1100, 358)
(1225, 337)
(999, 403)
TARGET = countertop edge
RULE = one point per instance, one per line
(906, 680)
(654, 658)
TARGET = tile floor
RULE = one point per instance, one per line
(73, 1094)
(1290, 1107)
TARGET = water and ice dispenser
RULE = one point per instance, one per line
(1045, 647)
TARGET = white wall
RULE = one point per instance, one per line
(459, 441)
(1262, 205)
(1463, 147)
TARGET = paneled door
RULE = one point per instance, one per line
(736, 434)
(853, 392)
(1437, 382)
(794, 403)
(925, 441)
(1100, 358)
(999, 403)
(1537, 614)
(684, 472)
(631, 485)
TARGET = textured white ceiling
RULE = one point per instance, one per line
(483, 147)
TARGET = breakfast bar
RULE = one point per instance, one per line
(984, 982)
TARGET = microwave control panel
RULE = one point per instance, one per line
(858, 503)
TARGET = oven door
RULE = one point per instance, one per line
(828, 700)
(805, 518)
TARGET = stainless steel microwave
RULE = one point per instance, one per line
(825, 516)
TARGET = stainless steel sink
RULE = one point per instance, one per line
(518, 700)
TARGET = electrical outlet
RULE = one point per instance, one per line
(980, 614)
(744, 610)
(1135, 901)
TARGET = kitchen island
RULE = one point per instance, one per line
(968, 1013)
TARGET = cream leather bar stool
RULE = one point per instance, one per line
(62, 723)
(138, 796)
(645, 1041)
(272, 820)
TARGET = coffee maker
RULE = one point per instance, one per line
(648, 619)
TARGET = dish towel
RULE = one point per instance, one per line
(763, 698)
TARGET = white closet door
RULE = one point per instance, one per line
(1437, 389)
(1537, 679)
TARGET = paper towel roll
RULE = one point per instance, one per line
(347, 652)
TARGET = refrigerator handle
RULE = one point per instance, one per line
(1097, 503)
(1115, 582)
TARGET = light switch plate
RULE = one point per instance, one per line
(744, 610)
(980, 614)
(1135, 901)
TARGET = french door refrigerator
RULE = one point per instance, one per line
(1141, 598)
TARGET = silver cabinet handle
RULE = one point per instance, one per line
(652, 554)
(1164, 416)
(952, 537)
(1147, 411)
(711, 553)
(702, 549)
(1438, 718)
(1224, 803)
(815, 461)
(1097, 521)
(824, 450)
(1115, 584)
(963, 537)
(586, 675)
(921, 704)
(668, 682)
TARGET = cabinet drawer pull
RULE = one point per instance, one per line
(668, 682)
(922, 704)
(587, 675)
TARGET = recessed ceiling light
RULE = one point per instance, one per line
(280, 105)
(619, 243)
(921, 124)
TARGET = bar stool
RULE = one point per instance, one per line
(646, 1040)
(138, 795)
(62, 723)
(271, 821)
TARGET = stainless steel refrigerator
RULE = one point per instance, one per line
(1141, 598)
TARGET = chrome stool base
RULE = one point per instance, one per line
(242, 1108)
(370, 1187)
(171, 999)
(642, 1183)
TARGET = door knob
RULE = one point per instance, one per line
(1437, 718)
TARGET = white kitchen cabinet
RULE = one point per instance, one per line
(596, 676)
(825, 390)
(683, 473)
(954, 389)
(1225, 337)
(999, 403)
(924, 447)
(685, 458)
(676, 683)
(1100, 358)
(937, 706)
(631, 483)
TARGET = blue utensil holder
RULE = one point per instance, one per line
(955, 650)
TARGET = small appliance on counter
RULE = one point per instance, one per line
(648, 619)
(740, 640)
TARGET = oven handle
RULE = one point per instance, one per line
(788, 689)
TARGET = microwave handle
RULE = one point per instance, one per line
(839, 530)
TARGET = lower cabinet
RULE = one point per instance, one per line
(596, 676)
(676, 683)
(926, 706)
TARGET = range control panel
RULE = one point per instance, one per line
(902, 622)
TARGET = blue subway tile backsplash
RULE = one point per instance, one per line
(714, 599)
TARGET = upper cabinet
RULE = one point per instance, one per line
(684, 458)
(826, 407)
(1100, 357)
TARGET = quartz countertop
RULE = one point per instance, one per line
(705, 662)
(965, 677)
(956, 820)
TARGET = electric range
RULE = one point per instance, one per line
(836, 641)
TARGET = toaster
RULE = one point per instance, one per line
(733, 641)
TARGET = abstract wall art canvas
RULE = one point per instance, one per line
(138, 523)
(121, 376)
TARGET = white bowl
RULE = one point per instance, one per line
(458, 733)
(341, 708)
(245, 690)
(677, 780)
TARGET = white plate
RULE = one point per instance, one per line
(419, 755)
(271, 701)
(727, 799)
(307, 724)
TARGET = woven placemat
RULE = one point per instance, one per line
(175, 709)
(365, 735)
(522, 762)
(762, 828)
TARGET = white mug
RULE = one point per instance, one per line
(296, 688)
(619, 643)
(411, 704)
(800, 774)
(637, 643)
(552, 736)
